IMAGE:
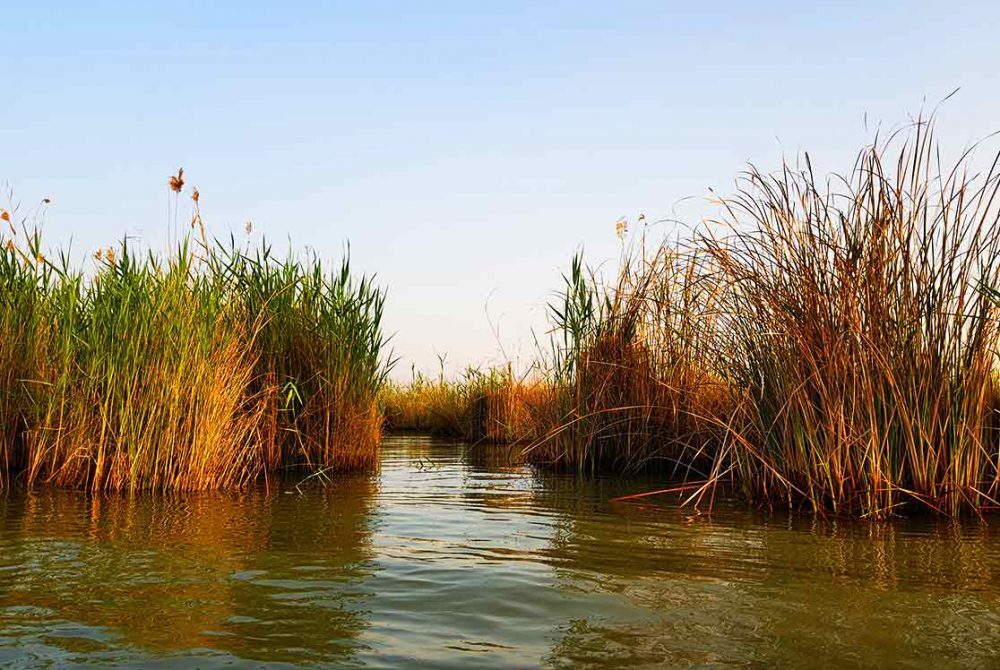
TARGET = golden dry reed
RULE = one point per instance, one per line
(634, 384)
(213, 367)
(861, 332)
(495, 407)
(829, 343)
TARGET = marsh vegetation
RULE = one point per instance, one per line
(828, 343)
(211, 367)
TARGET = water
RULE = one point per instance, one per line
(451, 557)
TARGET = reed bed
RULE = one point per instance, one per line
(211, 367)
(828, 343)
(632, 362)
(861, 332)
(494, 406)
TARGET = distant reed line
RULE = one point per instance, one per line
(493, 406)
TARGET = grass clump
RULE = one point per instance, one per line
(631, 362)
(859, 333)
(494, 406)
(828, 343)
(208, 368)
(319, 363)
(142, 381)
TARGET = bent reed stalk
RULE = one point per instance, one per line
(860, 333)
(829, 344)
(210, 368)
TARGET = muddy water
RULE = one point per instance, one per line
(451, 557)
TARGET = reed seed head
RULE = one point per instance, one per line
(177, 181)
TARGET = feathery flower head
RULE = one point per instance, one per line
(177, 181)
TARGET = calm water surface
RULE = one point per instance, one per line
(450, 557)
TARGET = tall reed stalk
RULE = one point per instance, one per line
(634, 379)
(829, 342)
(208, 368)
(858, 332)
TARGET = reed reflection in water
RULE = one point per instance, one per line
(128, 580)
(456, 556)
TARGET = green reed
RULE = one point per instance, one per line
(208, 367)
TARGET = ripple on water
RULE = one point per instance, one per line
(452, 557)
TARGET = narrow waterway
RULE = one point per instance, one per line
(449, 556)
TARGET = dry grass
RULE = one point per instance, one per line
(635, 383)
(832, 343)
(859, 334)
(496, 406)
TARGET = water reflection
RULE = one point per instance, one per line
(458, 556)
(155, 574)
(740, 588)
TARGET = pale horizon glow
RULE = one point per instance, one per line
(464, 151)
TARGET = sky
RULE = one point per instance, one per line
(464, 150)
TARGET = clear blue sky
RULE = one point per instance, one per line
(464, 149)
